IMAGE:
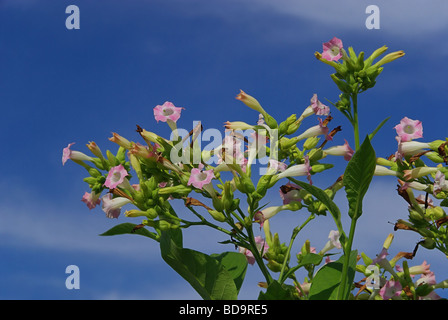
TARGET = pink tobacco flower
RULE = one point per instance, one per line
(115, 176)
(332, 50)
(421, 269)
(167, 111)
(112, 206)
(409, 129)
(262, 247)
(344, 150)
(297, 170)
(440, 183)
(73, 155)
(277, 166)
(290, 192)
(390, 289)
(199, 178)
(318, 107)
(317, 130)
(91, 199)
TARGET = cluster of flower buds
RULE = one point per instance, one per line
(355, 73)
(386, 279)
(421, 171)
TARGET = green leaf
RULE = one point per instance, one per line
(310, 258)
(276, 291)
(325, 284)
(357, 177)
(205, 274)
(320, 195)
(444, 203)
(235, 264)
(128, 228)
(378, 128)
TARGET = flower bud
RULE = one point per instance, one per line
(435, 213)
(310, 143)
(428, 243)
(389, 58)
(218, 216)
(321, 167)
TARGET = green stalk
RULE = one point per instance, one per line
(295, 232)
(258, 257)
(348, 245)
(347, 251)
(355, 122)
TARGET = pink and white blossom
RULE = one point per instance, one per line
(318, 107)
(167, 111)
(112, 206)
(409, 129)
(67, 154)
(91, 199)
(440, 183)
(315, 131)
(262, 248)
(199, 178)
(391, 289)
(297, 170)
(115, 177)
(332, 50)
(290, 193)
(343, 150)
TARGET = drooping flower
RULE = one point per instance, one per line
(317, 130)
(318, 107)
(277, 166)
(262, 248)
(440, 184)
(297, 170)
(332, 243)
(343, 150)
(391, 289)
(91, 199)
(290, 192)
(115, 176)
(409, 129)
(332, 50)
(420, 269)
(73, 155)
(199, 178)
(167, 111)
(409, 148)
(112, 206)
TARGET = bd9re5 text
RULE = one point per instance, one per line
(256, 309)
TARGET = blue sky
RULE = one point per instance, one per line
(59, 86)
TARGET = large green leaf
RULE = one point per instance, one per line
(320, 195)
(235, 264)
(127, 228)
(205, 274)
(276, 291)
(326, 283)
(357, 177)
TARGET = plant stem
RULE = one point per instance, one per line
(347, 251)
(348, 245)
(258, 257)
(355, 122)
(295, 232)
